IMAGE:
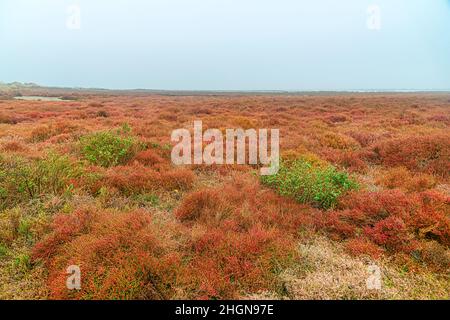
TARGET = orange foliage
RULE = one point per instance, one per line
(148, 158)
(391, 218)
(227, 260)
(360, 246)
(121, 255)
(400, 177)
(244, 234)
(13, 146)
(140, 179)
(390, 232)
(236, 236)
(428, 154)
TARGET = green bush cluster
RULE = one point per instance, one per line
(24, 179)
(309, 183)
(109, 148)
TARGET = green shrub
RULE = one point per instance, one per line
(24, 228)
(3, 251)
(148, 198)
(309, 183)
(22, 262)
(23, 179)
(108, 148)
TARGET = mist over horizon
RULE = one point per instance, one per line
(227, 45)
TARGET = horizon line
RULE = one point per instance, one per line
(81, 88)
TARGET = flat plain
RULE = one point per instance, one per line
(88, 181)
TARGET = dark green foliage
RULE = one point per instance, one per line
(109, 148)
(309, 183)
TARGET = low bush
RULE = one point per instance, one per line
(108, 148)
(42, 133)
(308, 183)
(149, 157)
(400, 177)
(391, 233)
(363, 247)
(3, 251)
(139, 179)
(226, 262)
(337, 227)
(366, 207)
(392, 219)
(126, 255)
(431, 220)
(245, 203)
(242, 237)
(427, 154)
(337, 118)
(176, 179)
(436, 255)
(22, 263)
(204, 205)
(363, 138)
(24, 223)
(7, 119)
(23, 179)
(352, 161)
(102, 114)
(9, 225)
(337, 141)
(45, 132)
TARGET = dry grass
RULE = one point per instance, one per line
(18, 282)
(324, 271)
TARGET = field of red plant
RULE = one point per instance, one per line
(90, 182)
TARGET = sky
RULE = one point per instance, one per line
(227, 44)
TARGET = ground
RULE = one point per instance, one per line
(89, 181)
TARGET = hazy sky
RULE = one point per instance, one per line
(227, 44)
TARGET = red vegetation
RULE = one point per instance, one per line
(359, 246)
(433, 219)
(148, 158)
(199, 205)
(353, 161)
(390, 232)
(231, 247)
(221, 234)
(242, 236)
(391, 218)
(140, 179)
(121, 255)
(400, 177)
(429, 153)
(226, 259)
(13, 146)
